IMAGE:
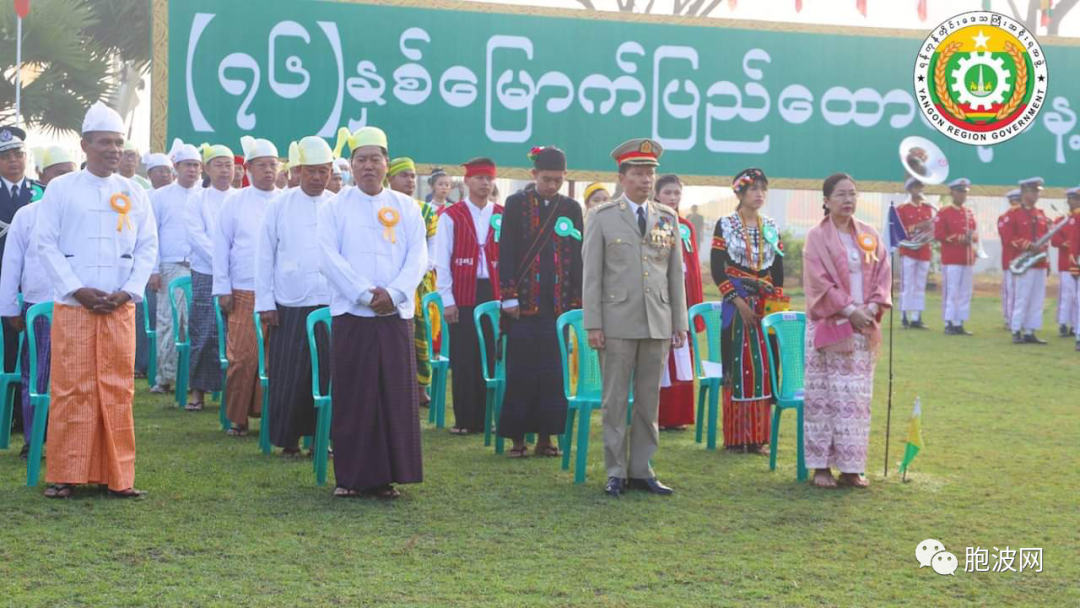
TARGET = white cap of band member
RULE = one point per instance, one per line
(960, 184)
(181, 152)
(1073, 191)
(1032, 182)
(257, 148)
(101, 117)
(911, 182)
(155, 160)
(1014, 193)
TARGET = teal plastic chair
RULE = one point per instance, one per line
(790, 328)
(323, 404)
(151, 341)
(707, 368)
(264, 381)
(440, 361)
(38, 400)
(223, 360)
(8, 382)
(496, 382)
(181, 337)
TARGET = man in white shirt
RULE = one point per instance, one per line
(22, 273)
(374, 254)
(174, 255)
(467, 274)
(201, 218)
(234, 279)
(288, 288)
(159, 169)
(129, 163)
(97, 241)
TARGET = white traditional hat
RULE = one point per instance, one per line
(101, 117)
(312, 150)
(53, 155)
(155, 160)
(181, 152)
(257, 148)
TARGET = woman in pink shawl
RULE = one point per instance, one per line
(847, 278)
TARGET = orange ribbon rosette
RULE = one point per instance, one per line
(868, 243)
(122, 205)
(389, 217)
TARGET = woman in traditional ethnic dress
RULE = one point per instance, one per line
(747, 266)
(440, 184)
(847, 278)
(595, 194)
(677, 382)
(420, 323)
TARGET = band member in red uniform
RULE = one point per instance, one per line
(917, 215)
(1074, 259)
(1021, 227)
(1007, 255)
(955, 229)
(1068, 283)
(467, 274)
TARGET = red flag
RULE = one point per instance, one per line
(860, 5)
(798, 6)
(922, 10)
(22, 8)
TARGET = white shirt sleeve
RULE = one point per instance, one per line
(198, 238)
(335, 267)
(444, 249)
(222, 239)
(47, 234)
(412, 271)
(265, 253)
(12, 266)
(145, 254)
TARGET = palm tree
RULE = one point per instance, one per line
(68, 48)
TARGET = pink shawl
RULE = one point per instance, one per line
(826, 280)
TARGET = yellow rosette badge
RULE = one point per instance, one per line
(868, 243)
(122, 205)
(389, 217)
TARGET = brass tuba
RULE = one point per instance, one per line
(923, 160)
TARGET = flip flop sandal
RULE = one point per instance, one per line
(522, 452)
(236, 432)
(548, 451)
(384, 493)
(60, 490)
(345, 493)
(849, 483)
(196, 406)
(128, 493)
(459, 431)
(296, 453)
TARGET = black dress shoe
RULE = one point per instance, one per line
(1033, 339)
(950, 330)
(904, 321)
(918, 325)
(615, 486)
(25, 451)
(960, 331)
(1018, 338)
(1064, 331)
(651, 485)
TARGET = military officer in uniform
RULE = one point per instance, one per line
(634, 311)
(16, 191)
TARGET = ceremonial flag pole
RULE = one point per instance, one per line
(22, 9)
(896, 235)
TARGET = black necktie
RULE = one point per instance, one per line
(14, 192)
(641, 220)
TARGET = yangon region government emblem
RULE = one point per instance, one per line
(980, 78)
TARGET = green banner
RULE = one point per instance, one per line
(448, 85)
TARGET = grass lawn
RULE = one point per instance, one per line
(226, 526)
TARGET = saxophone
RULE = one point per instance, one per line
(1028, 259)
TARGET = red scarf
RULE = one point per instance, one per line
(466, 254)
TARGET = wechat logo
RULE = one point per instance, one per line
(932, 553)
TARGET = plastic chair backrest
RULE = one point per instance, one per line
(45, 309)
(429, 302)
(790, 328)
(221, 330)
(262, 345)
(589, 381)
(710, 313)
(321, 315)
(490, 310)
(183, 284)
(146, 312)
